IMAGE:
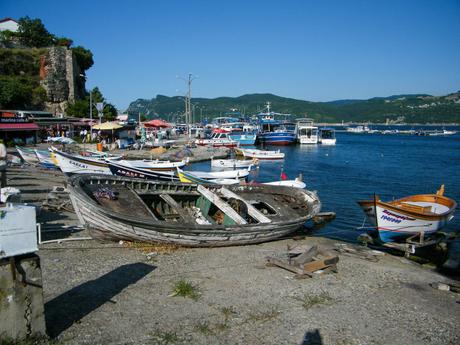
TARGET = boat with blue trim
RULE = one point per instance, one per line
(275, 128)
(413, 215)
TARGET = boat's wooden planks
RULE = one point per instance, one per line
(127, 202)
(222, 205)
(252, 211)
(182, 212)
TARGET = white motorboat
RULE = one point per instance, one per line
(288, 183)
(327, 136)
(307, 133)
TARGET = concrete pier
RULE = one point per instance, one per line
(21, 299)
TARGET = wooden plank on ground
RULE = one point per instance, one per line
(252, 211)
(276, 262)
(182, 212)
(222, 205)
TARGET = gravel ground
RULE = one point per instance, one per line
(110, 293)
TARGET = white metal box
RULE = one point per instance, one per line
(18, 230)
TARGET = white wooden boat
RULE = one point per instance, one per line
(232, 174)
(233, 163)
(412, 215)
(28, 155)
(76, 164)
(262, 154)
(188, 214)
(156, 165)
(190, 177)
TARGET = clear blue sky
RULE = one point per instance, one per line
(311, 50)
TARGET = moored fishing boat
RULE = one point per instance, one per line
(156, 165)
(189, 214)
(190, 177)
(262, 154)
(275, 131)
(412, 215)
(296, 183)
(28, 155)
(307, 133)
(219, 139)
(233, 163)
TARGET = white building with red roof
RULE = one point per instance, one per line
(9, 24)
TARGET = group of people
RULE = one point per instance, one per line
(86, 136)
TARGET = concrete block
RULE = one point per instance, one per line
(21, 298)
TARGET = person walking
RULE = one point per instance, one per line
(2, 164)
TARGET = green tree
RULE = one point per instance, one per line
(32, 33)
(84, 57)
(14, 93)
(80, 108)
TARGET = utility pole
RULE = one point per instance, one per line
(188, 97)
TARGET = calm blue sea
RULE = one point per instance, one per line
(359, 165)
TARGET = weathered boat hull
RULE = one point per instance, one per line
(45, 159)
(121, 226)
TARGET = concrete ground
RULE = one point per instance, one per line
(115, 293)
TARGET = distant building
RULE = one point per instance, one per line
(9, 24)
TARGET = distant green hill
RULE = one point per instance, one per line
(419, 108)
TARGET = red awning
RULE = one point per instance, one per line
(19, 127)
(156, 123)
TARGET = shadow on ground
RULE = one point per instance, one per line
(312, 338)
(62, 311)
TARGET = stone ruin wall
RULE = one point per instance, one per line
(59, 73)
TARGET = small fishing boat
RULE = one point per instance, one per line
(412, 215)
(119, 168)
(156, 165)
(77, 164)
(45, 159)
(233, 163)
(262, 154)
(327, 136)
(28, 155)
(243, 139)
(189, 214)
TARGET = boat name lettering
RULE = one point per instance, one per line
(390, 219)
(78, 164)
(397, 215)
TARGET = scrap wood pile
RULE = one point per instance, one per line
(305, 261)
(359, 252)
(58, 200)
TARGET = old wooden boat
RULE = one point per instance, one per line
(77, 164)
(233, 163)
(261, 154)
(409, 216)
(190, 177)
(189, 214)
(46, 159)
(120, 169)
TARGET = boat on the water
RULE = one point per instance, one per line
(275, 128)
(204, 176)
(327, 136)
(233, 163)
(307, 133)
(190, 177)
(296, 183)
(261, 154)
(409, 216)
(189, 214)
(28, 155)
